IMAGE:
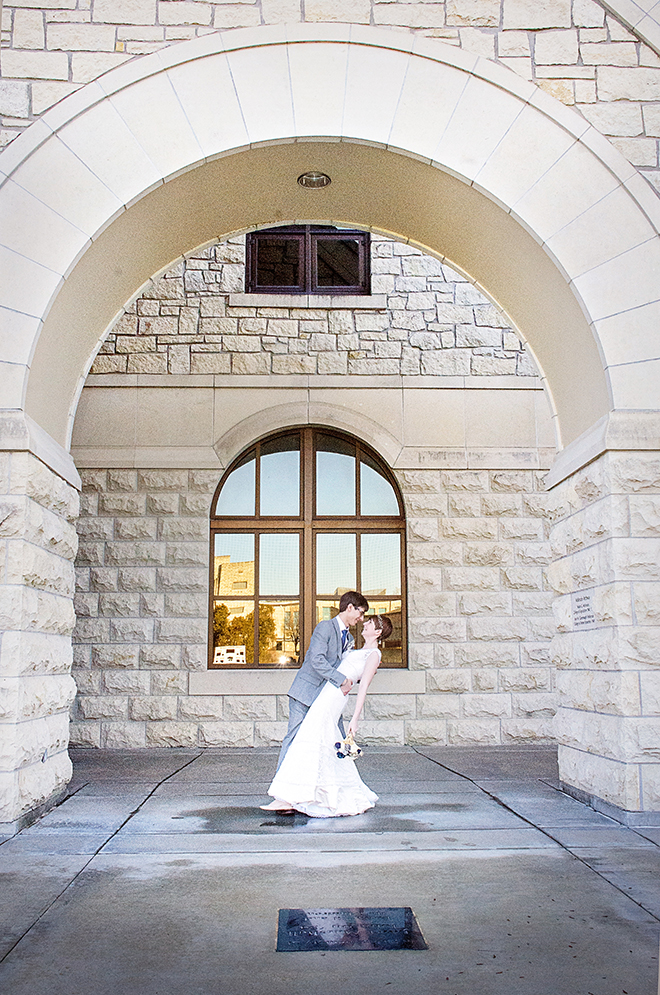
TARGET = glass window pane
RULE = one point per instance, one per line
(278, 262)
(377, 495)
(335, 563)
(233, 564)
(279, 488)
(279, 633)
(279, 563)
(381, 565)
(338, 262)
(326, 608)
(335, 476)
(233, 633)
(238, 491)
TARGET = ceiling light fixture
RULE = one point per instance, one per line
(314, 180)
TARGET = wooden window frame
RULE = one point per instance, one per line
(308, 237)
(308, 525)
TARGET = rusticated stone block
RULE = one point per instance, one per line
(85, 734)
(226, 734)
(259, 707)
(122, 605)
(102, 706)
(447, 681)
(426, 732)
(531, 704)
(483, 654)
(168, 733)
(177, 579)
(464, 480)
(486, 705)
(488, 554)
(523, 579)
(531, 729)
(519, 679)
(136, 579)
(382, 733)
(478, 732)
(269, 733)
(117, 503)
(183, 630)
(505, 629)
(184, 528)
(435, 553)
(151, 707)
(194, 657)
(469, 528)
(389, 706)
(485, 603)
(611, 780)
(186, 605)
(441, 706)
(169, 683)
(521, 528)
(442, 629)
(125, 682)
(119, 657)
(471, 579)
(131, 630)
(134, 528)
(187, 554)
(122, 735)
(158, 656)
(420, 656)
(139, 554)
(485, 680)
(163, 480)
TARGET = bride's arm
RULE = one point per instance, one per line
(370, 668)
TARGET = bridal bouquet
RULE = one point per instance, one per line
(347, 747)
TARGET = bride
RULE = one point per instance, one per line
(312, 778)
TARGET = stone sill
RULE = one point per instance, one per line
(235, 682)
(368, 302)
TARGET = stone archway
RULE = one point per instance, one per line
(429, 144)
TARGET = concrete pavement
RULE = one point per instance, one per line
(160, 875)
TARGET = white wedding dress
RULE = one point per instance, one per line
(312, 778)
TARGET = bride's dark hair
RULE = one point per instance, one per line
(383, 623)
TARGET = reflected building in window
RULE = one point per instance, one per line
(297, 520)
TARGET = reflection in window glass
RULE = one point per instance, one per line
(381, 565)
(237, 494)
(338, 262)
(392, 648)
(325, 609)
(335, 563)
(377, 495)
(279, 563)
(233, 563)
(279, 633)
(278, 262)
(280, 476)
(335, 476)
(233, 633)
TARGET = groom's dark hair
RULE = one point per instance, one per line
(352, 598)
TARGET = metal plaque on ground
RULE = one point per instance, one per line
(349, 929)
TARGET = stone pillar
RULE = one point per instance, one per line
(606, 571)
(37, 545)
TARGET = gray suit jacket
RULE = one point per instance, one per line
(320, 663)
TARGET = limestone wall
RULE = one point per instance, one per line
(480, 615)
(37, 544)
(572, 49)
(606, 544)
(422, 319)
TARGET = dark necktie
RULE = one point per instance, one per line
(344, 640)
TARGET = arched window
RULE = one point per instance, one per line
(297, 520)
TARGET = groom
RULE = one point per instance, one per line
(330, 640)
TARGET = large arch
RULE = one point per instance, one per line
(459, 155)
(424, 142)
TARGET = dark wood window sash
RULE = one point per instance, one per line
(308, 235)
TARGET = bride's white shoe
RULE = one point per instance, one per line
(277, 806)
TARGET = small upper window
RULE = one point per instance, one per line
(307, 259)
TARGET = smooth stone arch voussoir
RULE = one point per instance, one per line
(433, 145)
